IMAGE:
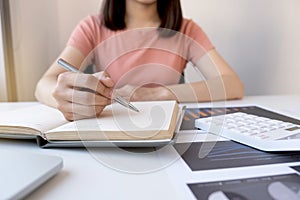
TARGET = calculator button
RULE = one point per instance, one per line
(251, 130)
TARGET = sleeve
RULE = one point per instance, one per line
(84, 35)
(199, 43)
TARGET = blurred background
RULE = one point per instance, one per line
(258, 38)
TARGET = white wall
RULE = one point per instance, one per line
(40, 31)
(259, 38)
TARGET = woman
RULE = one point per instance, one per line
(136, 62)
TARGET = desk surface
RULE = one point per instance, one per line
(120, 174)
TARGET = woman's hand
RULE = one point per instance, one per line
(157, 93)
(80, 96)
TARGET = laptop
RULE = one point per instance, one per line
(21, 173)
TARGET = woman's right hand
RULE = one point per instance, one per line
(80, 96)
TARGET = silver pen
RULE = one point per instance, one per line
(118, 98)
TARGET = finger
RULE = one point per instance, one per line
(81, 97)
(107, 81)
(101, 74)
(66, 109)
(80, 110)
(73, 116)
(85, 81)
(104, 78)
(88, 98)
(62, 93)
(99, 87)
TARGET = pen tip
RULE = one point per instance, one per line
(134, 108)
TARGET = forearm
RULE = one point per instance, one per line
(43, 91)
(215, 89)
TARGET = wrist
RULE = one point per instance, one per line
(165, 93)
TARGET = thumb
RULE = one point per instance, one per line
(104, 78)
(99, 75)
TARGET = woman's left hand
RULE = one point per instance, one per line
(137, 93)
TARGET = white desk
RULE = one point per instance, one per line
(86, 177)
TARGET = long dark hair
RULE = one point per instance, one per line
(169, 11)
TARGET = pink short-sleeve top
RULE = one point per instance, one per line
(139, 56)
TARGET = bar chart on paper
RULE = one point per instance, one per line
(191, 114)
(228, 154)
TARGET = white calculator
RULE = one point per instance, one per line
(259, 132)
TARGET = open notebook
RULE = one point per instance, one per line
(154, 125)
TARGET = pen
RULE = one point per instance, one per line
(118, 98)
